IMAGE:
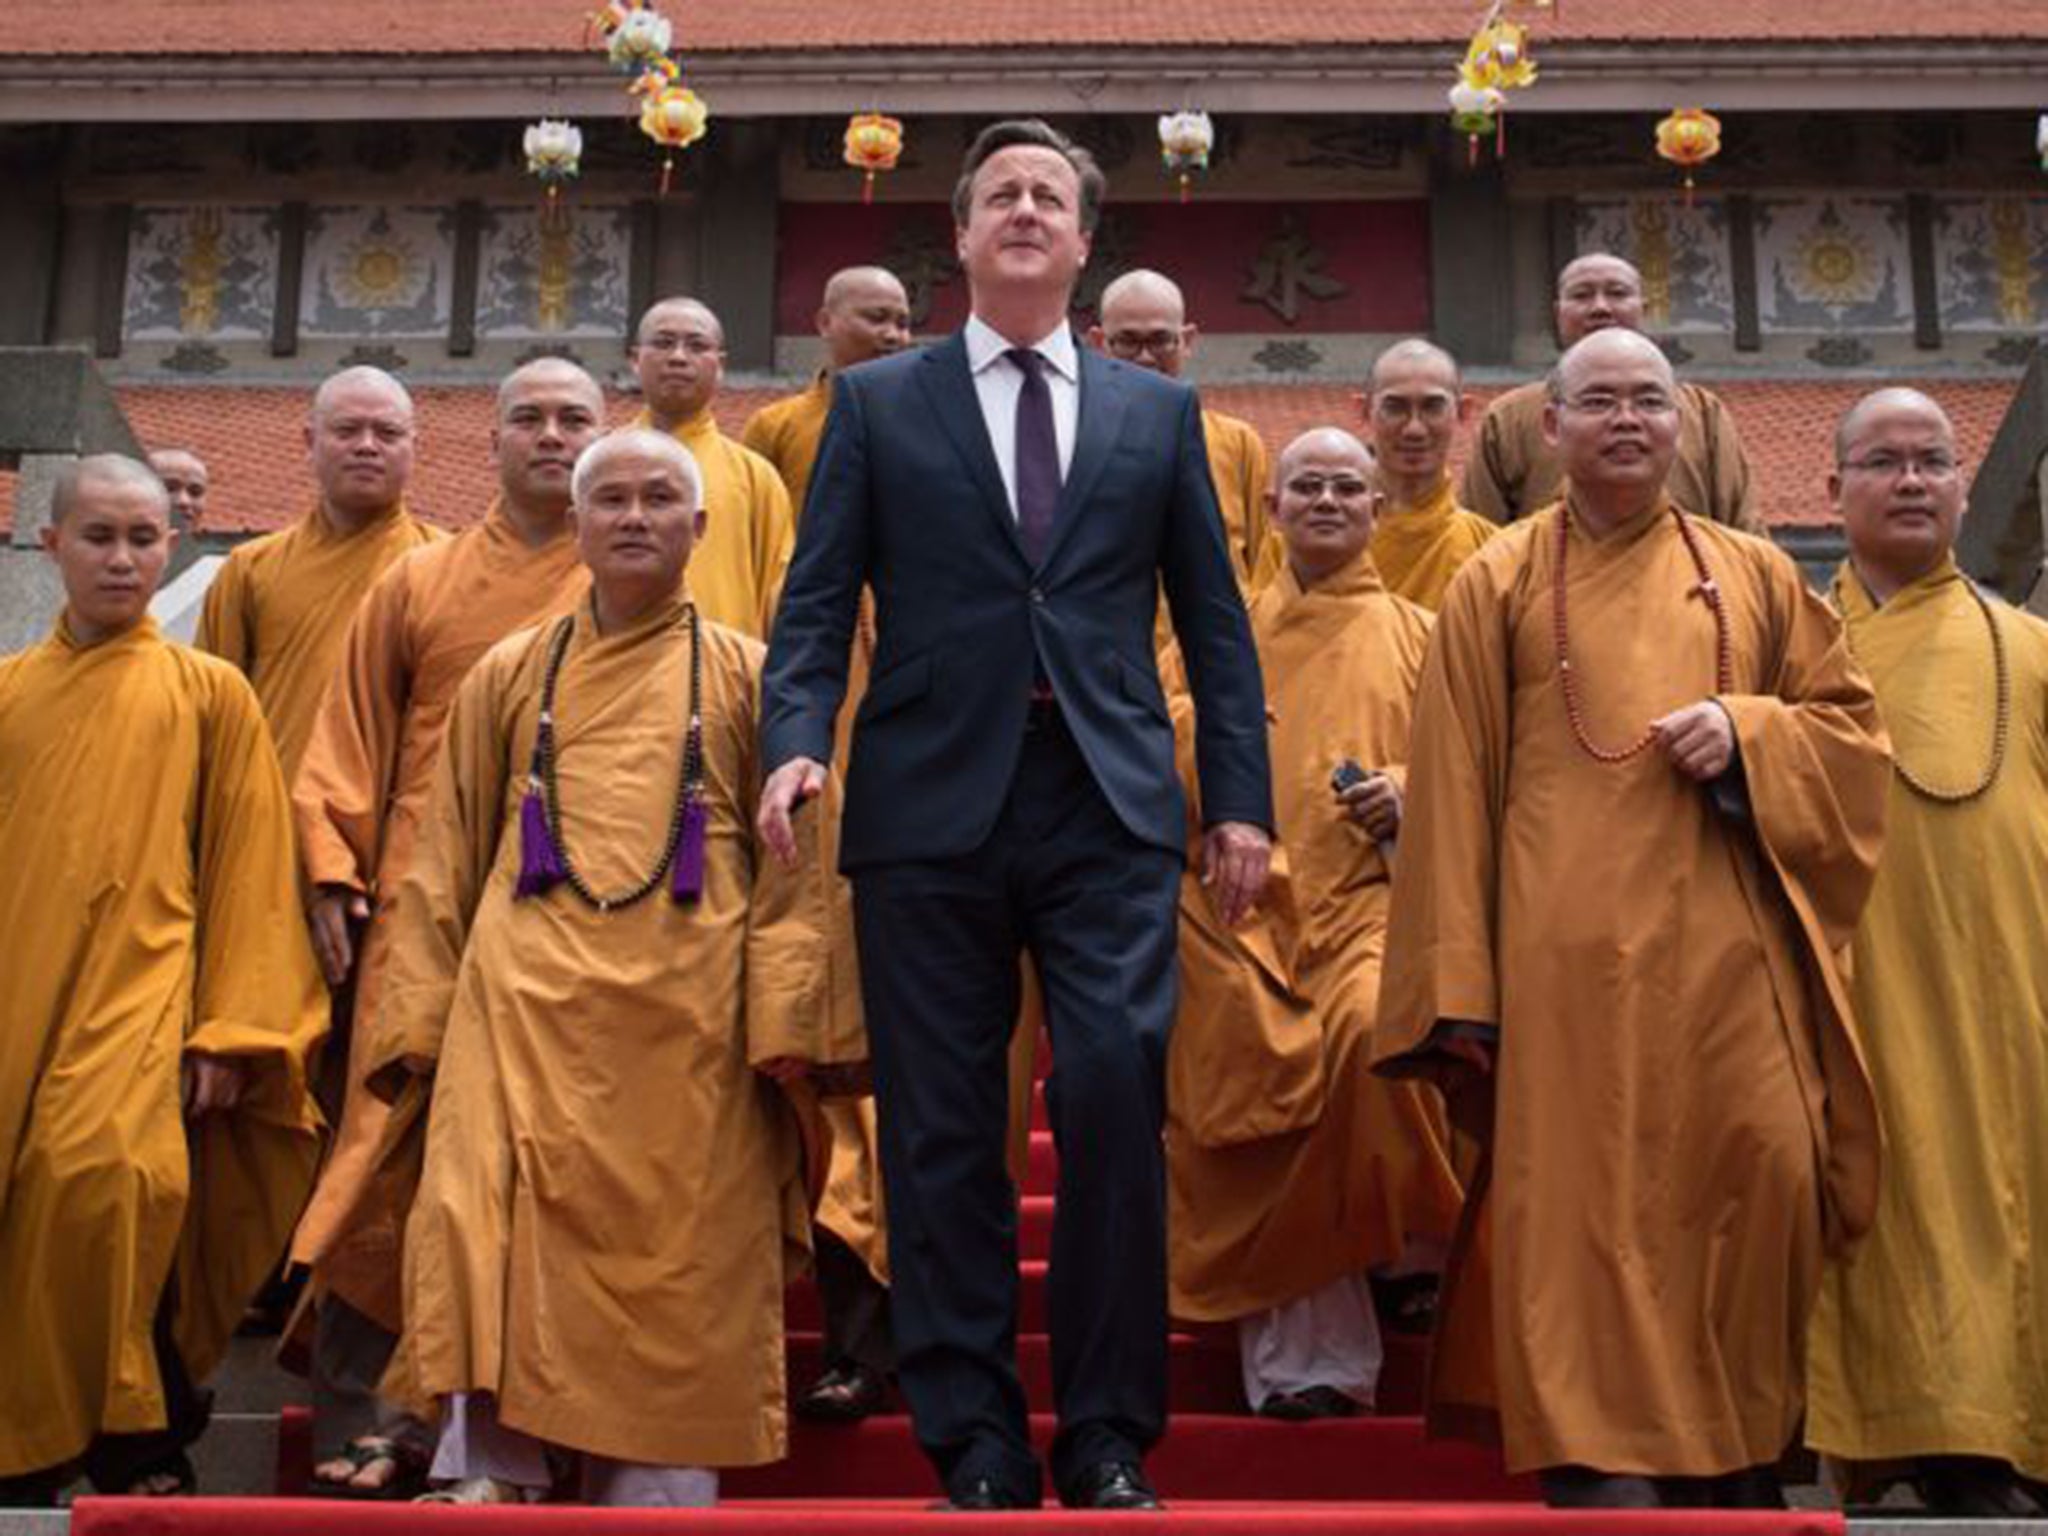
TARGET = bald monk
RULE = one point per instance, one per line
(603, 972)
(1515, 470)
(156, 1137)
(1294, 1175)
(360, 794)
(1144, 322)
(865, 314)
(280, 607)
(1624, 892)
(185, 476)
(737, 577)
(1415, 402)
(1927, 1346)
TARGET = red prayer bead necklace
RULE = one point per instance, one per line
(1708, 589)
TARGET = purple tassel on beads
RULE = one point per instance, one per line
(540, 861)
(686, 878)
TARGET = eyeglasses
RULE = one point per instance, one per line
(1604, 402)
(666, 342)
(1343, 487)
(1399, 410)
(1886, 465)
(1130, 344)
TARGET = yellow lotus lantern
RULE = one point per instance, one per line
(674, 116)
(1499, 57)
(874, 144)
(1689, 137)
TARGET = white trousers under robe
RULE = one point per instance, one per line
(1328, 1338)
(475, 1444)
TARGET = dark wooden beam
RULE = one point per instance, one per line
(1926, 288)
(291, 273)
(110, 295)
(1749, 330)
(462, 289)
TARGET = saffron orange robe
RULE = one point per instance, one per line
(360, 793)
(150, 910)
(1289, 1164)
(787, 433)
(279, 610)
(1243, 475)
(737, 567)
(1682, 1124)
(1513, 471)
(599, 1235)
(1932, 1335)
(1418, 549)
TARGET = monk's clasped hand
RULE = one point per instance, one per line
(1374, 803)
(788, 787)
(211, 1084)
(1699, 739)
(328, 918)
(783, 1069)
(1235, 858)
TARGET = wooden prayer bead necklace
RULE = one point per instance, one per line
(1708, 589)
(2001, 721)
(688, 814)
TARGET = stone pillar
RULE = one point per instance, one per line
(1470, 258)
(28, 236)
(30, 593)
(736, 239)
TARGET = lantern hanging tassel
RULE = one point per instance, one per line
(1500, 137)
(668, 171)
(1183, 186)
(1688, 189)
(540, 862)
(686, 876)
(1471, 151)
(867, 188)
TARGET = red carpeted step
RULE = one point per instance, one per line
(877, 1517)
(1204, 1456)
(1203, 1375)
(801, 1313)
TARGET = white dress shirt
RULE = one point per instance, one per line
(998, 382)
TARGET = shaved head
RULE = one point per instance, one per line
(1885, 402)
(850, 284)
(1605, 349)
(549, 373)
(684, 311)
(1602, 264)
(638, 444)
(1141, 284)
(100, 472)
(360, 383)
(865, 315)
(1596, 291)
(1415, 354)
(1323, 442)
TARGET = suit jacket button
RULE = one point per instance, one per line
(1037, 596)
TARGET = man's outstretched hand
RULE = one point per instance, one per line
(1235, 857)
(788, 787)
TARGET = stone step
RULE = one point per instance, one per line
(238, 1455)
(250, 1380)
(34, 1522)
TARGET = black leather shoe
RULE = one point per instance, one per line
(979, 1494)
(845, 1394)
(1111, 1485)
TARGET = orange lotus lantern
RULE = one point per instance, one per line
(874, 144)
(674, 116)
(1689, 137)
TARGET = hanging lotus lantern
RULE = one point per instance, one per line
(1185, 140)
(554, 154)
(673, 115)
(2041, 140)
(1689, 137)
(635, 34)
(1476, 112)
(1499, 57)
(874, 144)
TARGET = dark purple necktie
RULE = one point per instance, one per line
(1038, 455)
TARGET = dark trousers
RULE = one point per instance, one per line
(1061, 878)
(856, 1307)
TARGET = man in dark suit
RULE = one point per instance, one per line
(1016, 503)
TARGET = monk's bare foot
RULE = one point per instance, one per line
(370, 1467)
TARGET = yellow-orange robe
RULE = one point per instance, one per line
(1418, 549)
(1682, 1125)
(736, 569)
(279, 609)
(1289, 1164)
(1932, 1335)
(150, 910)
(787, 433)
(1242, 474)
(599, 1234)
(1513, 471)
(359, 796)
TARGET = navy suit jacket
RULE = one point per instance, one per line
(906, 497)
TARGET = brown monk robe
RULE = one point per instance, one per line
(157, 1009)
(1928, 1348)
(602, 973)
(1620, 907)
(360, 793)
(1293, 1173)
(679, 355)
(1515, 470)
(1414, 403)
(864, 314)
(281, 604)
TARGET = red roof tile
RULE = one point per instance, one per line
(250, 437)
(254, 27)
